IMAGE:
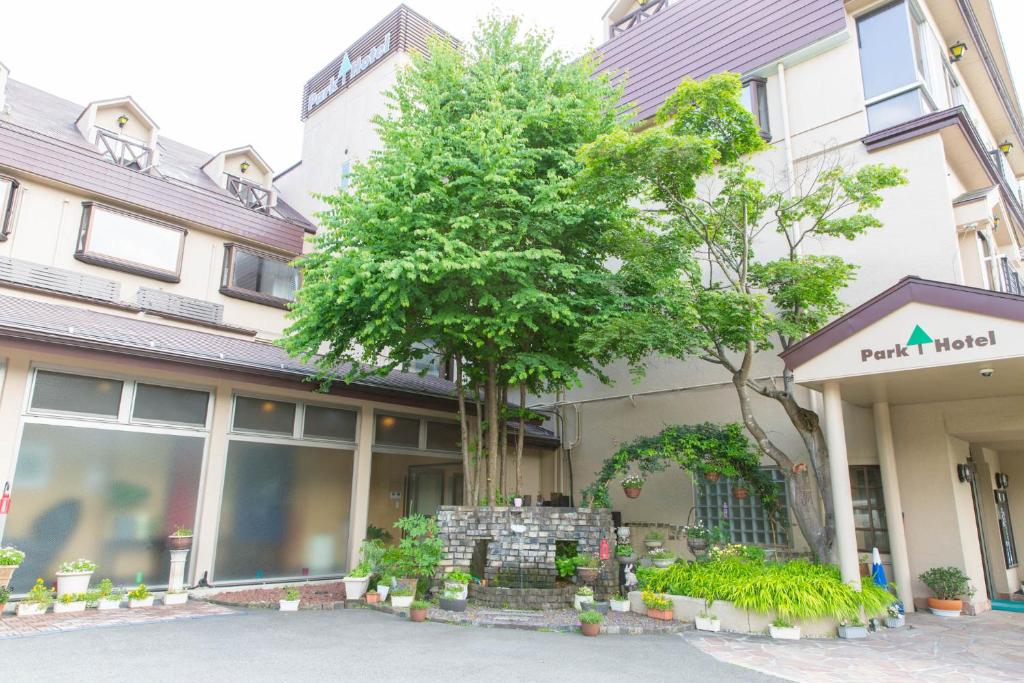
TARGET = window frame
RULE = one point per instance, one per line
(7, 211)
(784, 526)
(85, 230)
(421, 441)
(869, 508)
(228, 271)
(297, 435)
(757, 93)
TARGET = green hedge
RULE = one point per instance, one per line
(793, 590)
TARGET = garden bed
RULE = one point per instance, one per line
(312, 595)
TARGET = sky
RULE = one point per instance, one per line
(218, 75)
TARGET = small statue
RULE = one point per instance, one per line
(623, 534)
(630, 574)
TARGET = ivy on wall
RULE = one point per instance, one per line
(699, 449)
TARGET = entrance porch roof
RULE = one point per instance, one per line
(918, 341)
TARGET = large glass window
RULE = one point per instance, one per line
(887, 59)
(284, 512)
(869, 508)
(329, 423)
(65, 393)
(745, 518)
(116, 239)
(397, 431)
(264, 415)
(444, 436)
(107, 494)
(155, 403)
(258, 276)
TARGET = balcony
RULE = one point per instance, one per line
(251, 195)
(636, 17)
(124, 151)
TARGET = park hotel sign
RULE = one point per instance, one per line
(348, 70)
(920, 342)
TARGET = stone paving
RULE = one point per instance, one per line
(929, 648)
(12, 626)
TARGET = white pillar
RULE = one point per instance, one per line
(361, 471)
(842, 499)
(893, 504)
(208, 519)
(14, 377)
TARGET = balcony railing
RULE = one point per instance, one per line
(124, 151)
(251, 195)
(637, 17)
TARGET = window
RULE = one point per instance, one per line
(264, 415)
(329, 423)
(444, 436)
(431, 364)
(903, 66)
(258, 276)
(251, 195)
(155, 403)
(346, 171)
(392, 430)
(746, 518)
(66, 393)
(1006, 529)
(755, 98)
(116, 239)
(8, 194)
(869, 508)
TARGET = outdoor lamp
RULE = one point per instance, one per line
(1005, 146)
(1002, 480)
(122, 120)
(956, 51)
(964, 473)
(244, 166)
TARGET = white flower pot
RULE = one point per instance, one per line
(579, 600)
(144, 602)
(944, 612)
(65, 607)
(108, 603)
(784, 632)
(853, 632)
(383, 589)
(176, 598)
(457, 587)
(288, 605)
(712, 624)
(619, 605)
(653, 544)
(72, 582)
(355, 588)
(662, 563)
(29, 609)
(402, 600)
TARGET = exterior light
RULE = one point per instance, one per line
(956, 51)
(986, 372)
(122, 120)
(964, 473)
(244, 166)
(1005, 146)
(268, 407)
(1002, 481)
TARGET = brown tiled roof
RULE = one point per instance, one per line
(39, 136)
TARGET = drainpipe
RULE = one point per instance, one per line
(4, 71)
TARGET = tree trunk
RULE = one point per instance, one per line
(503, 455)
(491, 400)
(521, 438)
(467, 473)
(478, 465)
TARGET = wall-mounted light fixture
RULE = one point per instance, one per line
(1005, 146)
(956, 51)
(122, 120)
(244, 166)
(1002, 480)
(964, 472)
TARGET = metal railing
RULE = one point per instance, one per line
(124, 151)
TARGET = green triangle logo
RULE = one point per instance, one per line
(918, 337)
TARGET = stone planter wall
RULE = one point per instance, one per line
(559, 597)
(527, 558)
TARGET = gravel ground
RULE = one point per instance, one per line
(312, 596)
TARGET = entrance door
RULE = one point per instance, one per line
(426, 490)
(985, 560)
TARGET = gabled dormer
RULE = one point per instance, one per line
(122, 132)
(623, 15)
(244, 173)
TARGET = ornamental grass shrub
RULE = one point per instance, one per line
(793, 590)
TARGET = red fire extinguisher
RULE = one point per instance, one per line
(604, 549)
(5, 499)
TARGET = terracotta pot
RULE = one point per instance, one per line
(372, 598)
(6, 572)
(587, 574)
(590, 629)
(632, 492)
(712, 476)
(179, 542)
(417, 615)
(740, 492)
(946, 605)
(663, 614)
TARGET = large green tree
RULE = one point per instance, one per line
(471, 231)
(722, 272)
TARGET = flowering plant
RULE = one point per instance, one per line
(140, 592)
(10, 556)
(39, 594)
(75, 566)
(633, 481)
(585, 591)
(656, 601)
(697, 530)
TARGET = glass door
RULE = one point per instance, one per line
(426, 490)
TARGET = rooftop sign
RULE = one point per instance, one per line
(348, 71)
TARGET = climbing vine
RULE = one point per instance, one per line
(699, 449)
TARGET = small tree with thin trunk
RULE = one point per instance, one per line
(721, 272)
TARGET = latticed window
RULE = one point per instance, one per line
(747, 520)
(869, 508)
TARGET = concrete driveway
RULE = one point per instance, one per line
(353, 645)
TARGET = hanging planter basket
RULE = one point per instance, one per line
(740, 492)
(697, 546)
(631, 491)
(712, 476)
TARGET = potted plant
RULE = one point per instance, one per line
(587, 567)
(419, 551)
(140, 597)
(5, 596)
(457, 582)
(180, 539)
(658, 606)
(852, 629)
(418, 610)
(402, 596)
(740, 492)
(290, 601)
(36, 600)
(73, 576)
(662, 557)
(10, 559)
(654, 539)
(894, 617)
(590, 622)
(624, 553)
(706, 620)
(451, 601)
(357, 581)
(619, 603)
(372, 597)
(584, 595)
(780, 629)
(384, 586)
(108, 596)
(632, 485)
(949, 584)
(697, 536)
(179, 597)
(712, 476)
(69, 602)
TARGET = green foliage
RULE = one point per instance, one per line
(5, 595)
(699, 448)
(372, 552)
(793, 590)
(360, 571)
(181, 531)
(655, 601)
(79, 565)
(947, 583)
(779, 622)
(39, 594)
(420, 549)
(419, 604)
(455, 576)
(567, 566)
(140, 592)
(375, 533)
(402, 591)
(654, 536)
(591, 617)
(750, 553)
(106, 590)
(585, 591)
(291, 593)
(633, 481)
(623, 550)
(661, 554)
(587, 560)
(11, 556)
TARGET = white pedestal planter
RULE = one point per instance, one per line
(72, 582)
(108, 603)
(619, 605)
(383, 589)
(661, 563)
(402, 601)
(895, 622)
(712, 624)
(355, 588)
(852, 632)
(144, 602)
(459, 590)
(288, 605)
(578, 601)
(65, 607)
(176, 598)
(176, 579)
(29, 609)
(784, 632)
